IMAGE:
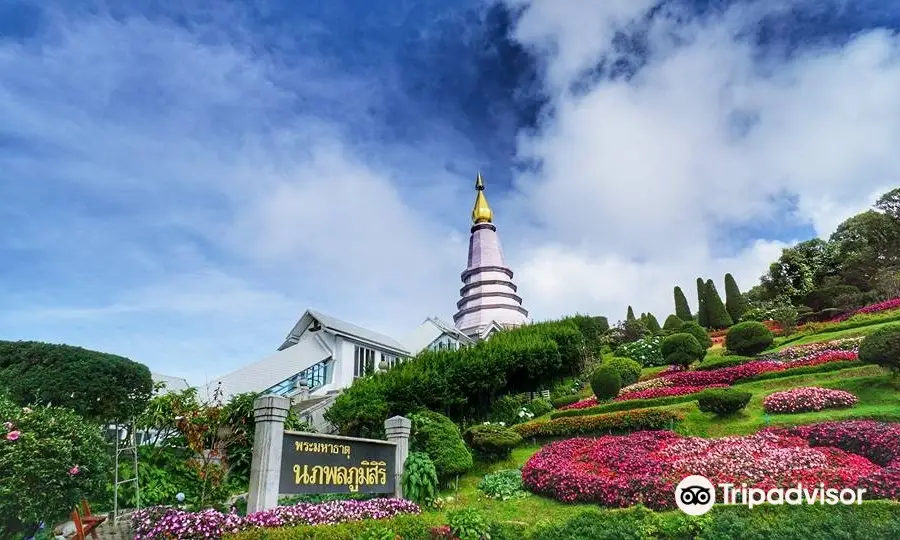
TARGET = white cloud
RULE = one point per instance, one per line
(638, 177)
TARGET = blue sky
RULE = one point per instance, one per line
(178, 184)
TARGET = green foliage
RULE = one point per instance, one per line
(748, 338)
(606, 382)
(682, 309)
(717, 314)
(561, 402)
(630, 404)
(630, 315)
(629, 370)
(626, 332)
(682, 349)
(652, 324)
(617, 422)
(503, 485)
(462, 384)
(40, 449)
(702, 311)
(723, 401)
(672, 324)
(699, 333)
(735, 302)
(405, 527)
(491, 442)
(592, 328)
(96, 385)
(468, 524)
(717, 362)
(882, 347)
(437, 436)
(825, 297)
(540, 406)
(377, 532)
(786, 316)
(420, 480)
(506, 409)
(644, 351)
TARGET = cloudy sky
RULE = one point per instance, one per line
(178, 184)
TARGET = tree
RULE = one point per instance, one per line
(715, 308)
(866, 243)
(800, 269)
(702, 313)
(652, 324)
(672, 323)
(735, 302)
(630, 316)
(682, 309)
(889, 203)
(98, 386)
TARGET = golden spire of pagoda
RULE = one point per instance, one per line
(482, 212)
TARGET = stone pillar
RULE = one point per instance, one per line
(397, 430)
(269, 413)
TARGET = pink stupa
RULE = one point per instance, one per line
(488, 296)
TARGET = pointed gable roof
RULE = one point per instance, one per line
(344, 329)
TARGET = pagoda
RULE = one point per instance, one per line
(488, 297)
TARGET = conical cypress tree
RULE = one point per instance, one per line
(715, 308)
(702, 314)
(630, 316)
(734, 300)
(672, 323)
(652, 324)
(682, 309)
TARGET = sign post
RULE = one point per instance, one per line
(305, 463)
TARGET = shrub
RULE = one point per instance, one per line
(618, 422)
(492, 442)
(627, 405)
(467, 524)
(672, 324)
(606, 382)
(506, 409)
(652, 324)
(50, 458)
(723, 401)
(715, 308)
(882, 347)
(629, 370)
(559, 403)
(682, 349)
(96, 385)
(808, 399)
(682, 309)
(718, 362)
(503, 485)
(644, 351)
(702, 308)
(824, 298)
(541, 406)
(748, 338)
(438, 436)
(699, 333)
(735, 302)
(420, 481)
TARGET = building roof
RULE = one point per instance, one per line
(431, 329)
(173, 384)
(345, 329)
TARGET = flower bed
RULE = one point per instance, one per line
(644, 467)
(167, 522)
(665, 391)
(887, 305)
(798, 352)
(733, 374)
(568, 426)
(808, 399)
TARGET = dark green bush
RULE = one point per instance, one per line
(437, 436)
(467, 524)
(606, 382)
(629, 370)
(715, 308)
(824, 298)
(723, 401)
(652, 324)
(716, 362)
(672, 324)
(735, 302)
(748, 338)
(492, 442)
(506, 409)
(882, 347)
(682, 309)
(682, 349)
(540, 406)
(699, 333)
(98, 386)
(559, 403)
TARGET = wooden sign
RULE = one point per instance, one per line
(316, 463)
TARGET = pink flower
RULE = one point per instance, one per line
(74, 470)
(12, 436)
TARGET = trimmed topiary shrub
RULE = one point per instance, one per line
(702, 312)
(652, 324)
(735, 302)
(438, 436)
(882, 347)
(699, 333)
(682, 309)
(672, 324)
(682, 349)
(561, 402)
(748, 338)
(491, 442)
(723, 401)
(606, 382)
(715, 308)
(629, 370)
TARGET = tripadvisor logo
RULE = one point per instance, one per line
(695, 495)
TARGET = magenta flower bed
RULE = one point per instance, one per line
(808, 399)
(665, 391)
(730, 375)
(167, 522)
(887, 305)
(644, 467)
(799, 352)
(583, 404)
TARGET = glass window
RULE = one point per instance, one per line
(363, 361)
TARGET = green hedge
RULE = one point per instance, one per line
(462, 384)
(717, 362)
(617, 422)
(626, 405)
(566, 400)
(409, 527)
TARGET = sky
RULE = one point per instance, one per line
(178, 184)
